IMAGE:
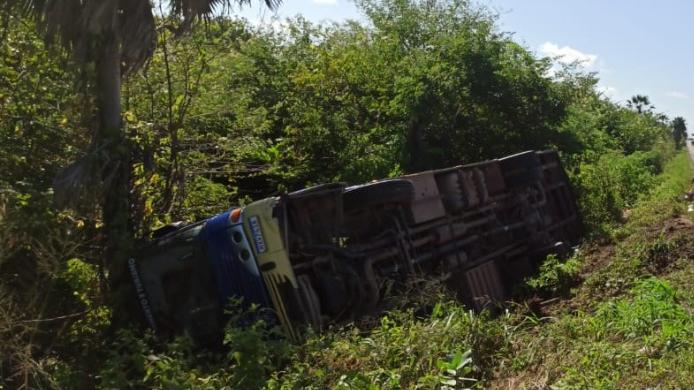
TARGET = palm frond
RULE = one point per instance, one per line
(76, 23)
(138, 33)
(190, 10)
(59, 21)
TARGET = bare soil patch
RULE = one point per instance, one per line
(673, 242)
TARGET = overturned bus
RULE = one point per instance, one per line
(326, 254)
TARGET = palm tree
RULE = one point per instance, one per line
(641, 103)
(117, 37)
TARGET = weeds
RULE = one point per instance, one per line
(614, 183)
(556, 276)
(454, 347)
(627, 333)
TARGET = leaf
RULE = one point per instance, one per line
(129, 117)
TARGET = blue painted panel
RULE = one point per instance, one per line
(233, 277)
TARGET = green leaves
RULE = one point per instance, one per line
(456, 370)
(40, 110)
(556, 275)
(614, 183)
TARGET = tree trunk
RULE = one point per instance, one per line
(116, 165)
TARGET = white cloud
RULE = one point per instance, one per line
(607, 90)
(568, 55)
(325, 2)
(677, 95)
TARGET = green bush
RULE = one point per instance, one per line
(556, 276)
(613, 184)
(83, 281)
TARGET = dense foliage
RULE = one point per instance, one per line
(233, 112)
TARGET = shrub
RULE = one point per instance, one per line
(555, 276)
(614, 183)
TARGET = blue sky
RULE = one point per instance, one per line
(636, 46)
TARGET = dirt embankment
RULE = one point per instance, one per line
(677, 236)
(662, 248)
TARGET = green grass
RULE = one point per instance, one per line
(637, 338)
(662, 201)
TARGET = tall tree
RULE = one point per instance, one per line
(679, 131)
(116, 37)
(640, 103)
